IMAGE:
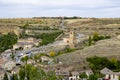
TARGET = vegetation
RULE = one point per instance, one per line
(90, 41)
(97, 37)
(34, 73)
(12, 56)
(15, 77)
(46, 37)
(93, 77)
(22, 73)
(94, 38)
(83, 75)
(67, 50)
(7, 41)
(52, 54)
(25, 59)
(98, 63)
(37, 57)
(5, 76)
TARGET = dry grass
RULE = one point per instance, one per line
(7, 25)
(107, 48)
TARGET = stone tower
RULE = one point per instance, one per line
(71, 39)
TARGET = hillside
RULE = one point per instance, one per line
(106, 48)
(10, 24)
(105, 26)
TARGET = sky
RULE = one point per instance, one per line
(38, 8)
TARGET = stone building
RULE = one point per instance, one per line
(70, 40)
(26, 43)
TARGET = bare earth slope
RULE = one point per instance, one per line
(108, 48)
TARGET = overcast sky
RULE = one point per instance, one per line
(37, 8)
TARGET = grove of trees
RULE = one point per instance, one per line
(98, 63)
(29, 72)
(7, 41)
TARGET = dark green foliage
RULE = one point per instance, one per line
(24, 59)
(46, 37)
(93, 77)
(22, 73)
(90, 41)
(51, 75)
(7, 41)
(98, 63)
(5, 77)
(49, 38)
(15, 77)
(67, 50)
(34, 73)
(83, 75)
(12, 56)
(97, 37)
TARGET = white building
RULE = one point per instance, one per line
(110, 75)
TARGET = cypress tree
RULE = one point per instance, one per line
(5, 77)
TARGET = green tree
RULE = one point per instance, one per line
(90, 41)
(7, 41)
(5, 76)
(95, 36)
(22, 73)
(36, 57)
(51, 75)
(12, 56)
(15, 77)
(93, 77)
(25, 59)
(114, 61)
(83, 75)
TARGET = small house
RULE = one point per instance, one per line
(110, 75)
(74, 75)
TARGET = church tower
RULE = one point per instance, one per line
(71, 39)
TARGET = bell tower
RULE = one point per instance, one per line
(71, 39)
